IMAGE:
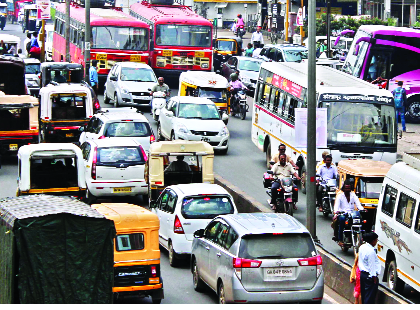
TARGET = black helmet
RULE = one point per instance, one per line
(234, 77)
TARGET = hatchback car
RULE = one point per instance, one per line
(119, 123)
(114, 167)
(193, 119)
(129, 83)
(257, 258)
(185, 208)
(32, 74)
(285, 52)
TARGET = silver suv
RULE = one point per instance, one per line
(257, 257)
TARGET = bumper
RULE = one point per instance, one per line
(136, 100)
(99, 189)
(175, 72)
(181, 244)
(12, 144)
(217, 142)
(304, 296)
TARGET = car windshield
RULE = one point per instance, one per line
(120, 38)
(127, 129)
(119, 155)
(206, 207)
(201, 111)
(137, 75)
(32, 68)
(295, 55)
(226, 46)
(183, 35)
(249, 65)
(281, 246)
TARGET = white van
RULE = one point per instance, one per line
(398, 224)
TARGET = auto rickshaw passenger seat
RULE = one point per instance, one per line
(178, 177)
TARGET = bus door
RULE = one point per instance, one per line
(379, 63)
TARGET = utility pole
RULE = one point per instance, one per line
(286, 26)
(87, 39)
(402, 14)
(42, 39)
(311, 129)
(302, 33)
(328, 28)
(67, 32)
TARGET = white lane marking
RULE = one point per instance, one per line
(330, 299)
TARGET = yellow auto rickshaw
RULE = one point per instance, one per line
(158, 174)
(136, 250)
(206, 85)
(367, 176)
(223, 49)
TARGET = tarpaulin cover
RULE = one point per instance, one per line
(64, 258)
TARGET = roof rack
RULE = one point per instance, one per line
(412, 159)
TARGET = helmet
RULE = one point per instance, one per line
(234, 77)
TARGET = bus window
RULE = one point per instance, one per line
(417, 227)
(280, 103)
(390, 197)
(267, 91)
(274, 95)
(292, 106)
(363, 47)
(405, 211)
(285, 109)
(260, 92)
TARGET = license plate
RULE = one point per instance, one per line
(199, 54)
(69, 135)
(142, 97)
(205, 139)
(277, 274)
(100, 56)
(166, 53)
(13, 147)
(135, 58)
(122, 189)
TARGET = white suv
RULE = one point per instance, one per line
(193, 119)
(185, 208)
(114, 167)
(120, 123)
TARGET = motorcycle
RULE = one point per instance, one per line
(286, 203)
(328, 196)
(353, 231)
(239, 105)
(240, 31)
(158, 102)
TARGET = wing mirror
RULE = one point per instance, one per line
(270, 172)
(225, 117)
(82, 128)
(153, 205)
(199, 233)
(113, 78)
(170, 114)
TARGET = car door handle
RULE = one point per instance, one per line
(219, 254)
(207, 248)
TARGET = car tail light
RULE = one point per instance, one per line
(102, 137)
(312, 261)
(239, 263)
(94, 163)
(143, 153)
(153, 271)
(97, 105)
(178, 226)
(152, 138)
(279, 189)
(295, 189)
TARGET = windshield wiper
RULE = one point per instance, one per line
(271, 256)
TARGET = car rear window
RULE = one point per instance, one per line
(128, 129)
(129, 242)
(111, 156)
(280, 246)
(206, 207)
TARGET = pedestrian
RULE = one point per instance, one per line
(400, 100)
(257, 50)
(27, 43)
(34, 40)
(355, 278)
(93, 76)
(249, 50)
(369, 268)
(257, 37)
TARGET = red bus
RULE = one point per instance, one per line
(115, 37)
(181, 40)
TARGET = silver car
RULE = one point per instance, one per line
(257, 258)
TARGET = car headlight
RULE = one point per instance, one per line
(181, 128)
(125, 91)
(224, 132)
(32, 83)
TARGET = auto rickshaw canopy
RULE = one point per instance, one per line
(196, 79)
(364, 167)
(237, 44)
(180, 147)
(17, 102)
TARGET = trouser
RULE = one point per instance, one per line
(319, 190)
(341, 223)
(368, 288)
(401, 112)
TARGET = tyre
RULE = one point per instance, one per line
(325, 208)
(173, 260)
(145, 199)
(223, 152)
(156, 300)
(344, 249)
(89, 198)
(197, 282)
(106, 98)
(358, 241)
(159, 133)
(268, 155)
(221, 293)
(243, 112)
(413, 109)
(289, 208)
(392, 279)
(173, 136)
(116, 104)
(155, 117)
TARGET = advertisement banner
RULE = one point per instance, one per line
(287, 86)
(44, 9)
(301, 125)
(299, 19)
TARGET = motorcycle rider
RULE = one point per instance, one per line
(161, 86)
(325, 153)
(236, 86)
(344, 202)
(281, 169)
(326, 171)
(239, 22)
(282, 150)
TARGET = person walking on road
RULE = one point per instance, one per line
(93, 76)
(249, 50)
(355, 278)
(369, 268)
(400, 100)
(257, 36)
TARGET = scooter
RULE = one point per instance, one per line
(286, 203)
(158, 101)
(353, 231)
(240, 31)
(240, 106)
(328, 196)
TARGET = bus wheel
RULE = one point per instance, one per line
(413, 109)
(268, 155)
(393, 281)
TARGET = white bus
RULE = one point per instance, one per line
(360, 117)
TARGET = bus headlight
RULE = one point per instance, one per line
(205, 66)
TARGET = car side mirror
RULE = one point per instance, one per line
(272, 163)
(153, 205)
(113, 78)
(82, 128)
(170, 114)
(149, 89)
(199, 233)
(225, 117)
(232, 67)
(317, 175)
(270, 172)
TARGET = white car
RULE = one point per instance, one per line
(32, 75)
(193, 119)
(129, 83)
(121, 123)
(114, 167)
(185, 208)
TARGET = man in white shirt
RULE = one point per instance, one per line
(257, 36)
(370, 268)
(257, 50)
(344, 202)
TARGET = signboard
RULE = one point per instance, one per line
(43, 9)
(356, 98)
(287, 86)
(299, 18)
(301, 125)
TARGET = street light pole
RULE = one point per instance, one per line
(87, 39)
(328, 28)
(67, 30)
(311, 128)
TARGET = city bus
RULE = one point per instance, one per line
(115, 37)
(180, 39)
(360, 117)
(390, 54)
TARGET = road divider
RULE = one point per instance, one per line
(336, 270)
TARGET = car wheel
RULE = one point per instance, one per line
(89, 198)
(173, 260)
(173, 136)
(393, 281)
(223, 152)
(198, 283)
(116, 100)
(221, 293)
(106, 98)
(159, 133)
(156, 301)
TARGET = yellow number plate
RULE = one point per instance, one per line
(166, 53)
(101, 56)
(199, 54)
(69, 135)
(13, 147)
(122, 189)
(136, 58)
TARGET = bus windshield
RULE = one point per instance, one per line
(183, 35)
(361, 124)
(119, 38)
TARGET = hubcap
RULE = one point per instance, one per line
(414, 109)
(391, 277)
(222, 295)
(171, 255)
(195, 275)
